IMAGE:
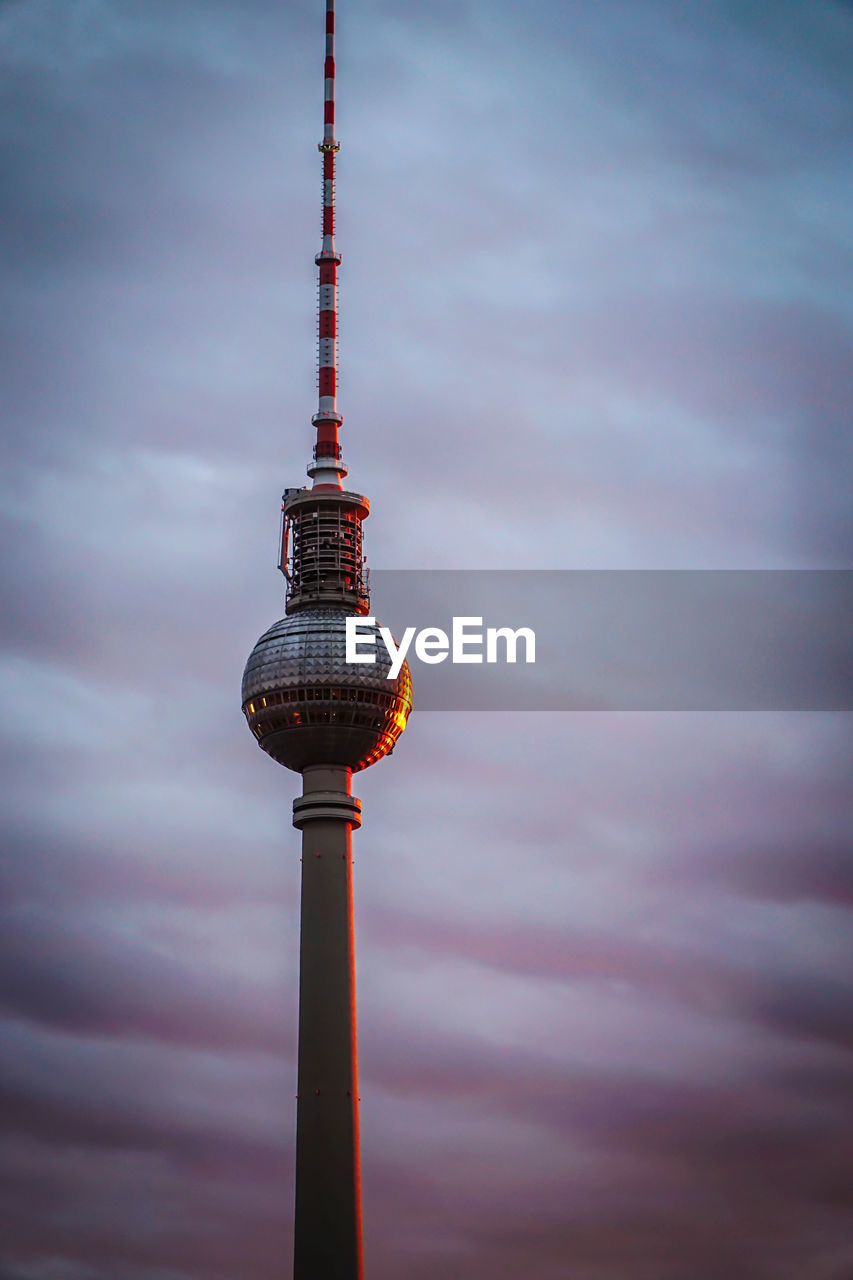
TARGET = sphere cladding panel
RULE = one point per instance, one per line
(306, 704)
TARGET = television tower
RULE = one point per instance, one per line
(314, 712)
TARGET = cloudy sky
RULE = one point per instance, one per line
(596, 312)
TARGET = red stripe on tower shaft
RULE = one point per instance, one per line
(328, 164)
(328, 272)
(329, 68)
(328, 220)
(328, 113)
(328, 380)
(328, 324)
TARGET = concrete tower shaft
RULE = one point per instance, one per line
(327, 1239)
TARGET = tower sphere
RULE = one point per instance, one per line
(307, 705)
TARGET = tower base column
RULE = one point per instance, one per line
(327, 1243)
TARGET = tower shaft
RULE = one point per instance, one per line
(327, 1242)
(316, 711)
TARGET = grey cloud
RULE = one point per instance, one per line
(818, 869)
(743, 1151)
(63, 872)
(815, 1007)
(809, 1008)
(72, 1094)
(76, 976)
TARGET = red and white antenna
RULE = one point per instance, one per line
(327, 468)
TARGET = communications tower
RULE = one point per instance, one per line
(314, 712)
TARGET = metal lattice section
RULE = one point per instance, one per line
(322, 556)
(326, 557)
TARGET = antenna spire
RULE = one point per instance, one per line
(327, 469)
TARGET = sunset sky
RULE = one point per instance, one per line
(596, 312)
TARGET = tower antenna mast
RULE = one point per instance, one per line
(328, 467)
